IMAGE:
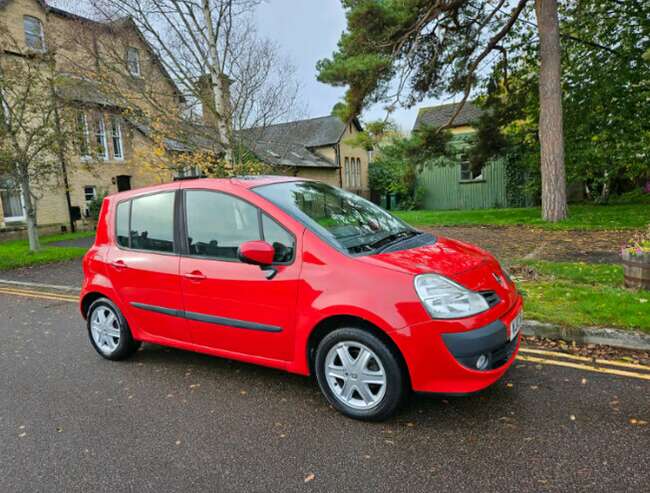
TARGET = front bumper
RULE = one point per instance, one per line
(441, 355)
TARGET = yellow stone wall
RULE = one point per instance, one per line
(71, 42)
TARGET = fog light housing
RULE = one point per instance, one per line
(482, 362)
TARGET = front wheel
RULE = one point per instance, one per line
(359, 374)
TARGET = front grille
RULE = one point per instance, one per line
(491, 297)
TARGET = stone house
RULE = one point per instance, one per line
(315, 148)
(102, 157)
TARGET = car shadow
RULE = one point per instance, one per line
(437, 411)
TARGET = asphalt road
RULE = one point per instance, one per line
(169, 420)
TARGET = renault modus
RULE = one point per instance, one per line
(302, 276)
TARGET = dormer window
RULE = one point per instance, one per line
(34, 37)
(133, 61)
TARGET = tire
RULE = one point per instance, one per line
(109, 332)
(353, 387)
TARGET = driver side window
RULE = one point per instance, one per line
(218, 223)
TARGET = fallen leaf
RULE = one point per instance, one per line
(310, 477)
(195, 385)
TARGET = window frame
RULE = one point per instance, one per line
(116, 124)
(41, 33)
(175, 219)
(347, 172)
(14, 219)
(473, 179)
(100, 130)
(184, 245)
(137, 73)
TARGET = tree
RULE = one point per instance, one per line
(400, 159)
(427, 49)
(229, 78)
(606, 89)
(551, 138)
(31, 134)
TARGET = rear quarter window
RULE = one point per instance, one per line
(122, 223)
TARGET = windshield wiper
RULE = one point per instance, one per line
(392, 239)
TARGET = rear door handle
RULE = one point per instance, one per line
(195, 275)
(119, 264)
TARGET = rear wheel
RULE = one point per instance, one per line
(359, 374)
(108, 331)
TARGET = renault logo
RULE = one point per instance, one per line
(498, 278)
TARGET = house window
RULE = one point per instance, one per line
(34, 37)
(100, 137)
(133, 61)
(466, 171)
(12, 201)
(357, 174)
(82, 135)
(90, 194)
(116, 135)
(346, 171)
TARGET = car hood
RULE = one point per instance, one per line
(446, 257)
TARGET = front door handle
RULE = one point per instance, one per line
(195, 275)
(119, 264)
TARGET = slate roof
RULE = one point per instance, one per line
(437, 116)
(296, 143)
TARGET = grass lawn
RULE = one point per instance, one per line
(14, 254)
(582, 295)
(625, 216)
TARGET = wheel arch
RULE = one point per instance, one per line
(88, 299)
(334, 322)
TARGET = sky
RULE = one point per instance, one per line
(307, 31)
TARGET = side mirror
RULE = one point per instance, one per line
(256, 252)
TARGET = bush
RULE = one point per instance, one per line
(95, 206)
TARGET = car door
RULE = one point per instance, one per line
(144, 267)
(232, 306)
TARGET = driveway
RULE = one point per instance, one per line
(170, 420)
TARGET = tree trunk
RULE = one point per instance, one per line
(30, 215)
(217, 82)
(551, 138)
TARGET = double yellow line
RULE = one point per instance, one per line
(529, 355)
(44, 295)
(620, 368)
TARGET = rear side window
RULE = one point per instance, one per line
(152, 223)
(122, 223)
(218, 223)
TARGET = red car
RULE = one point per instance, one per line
(302, 276)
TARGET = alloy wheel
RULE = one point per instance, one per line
(355, 375)
(105, 329)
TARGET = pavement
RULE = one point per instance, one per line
(169, 420)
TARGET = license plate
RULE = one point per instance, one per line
(515, 325)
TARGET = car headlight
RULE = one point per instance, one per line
(443, 298)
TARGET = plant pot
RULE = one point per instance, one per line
(636, 270)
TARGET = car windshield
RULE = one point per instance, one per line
(344, 219)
